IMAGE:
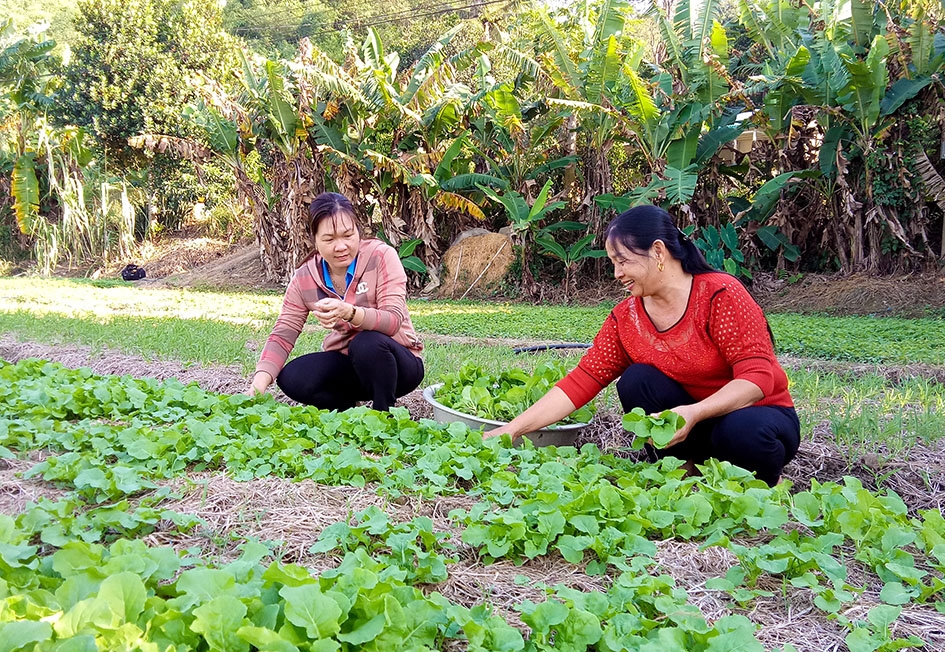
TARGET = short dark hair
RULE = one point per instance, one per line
(329, 205)
(638, 228)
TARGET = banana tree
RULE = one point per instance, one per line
(515, 145)
(584, 75)
(271, 119)
(27, 91)
(859, 101)
(853, 69)
(67, 207)
(681, 114)
(524, 222)
(316, 124)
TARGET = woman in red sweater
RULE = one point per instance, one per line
(689, 339)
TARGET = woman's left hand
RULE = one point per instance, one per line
(330, 311)
(689, 413)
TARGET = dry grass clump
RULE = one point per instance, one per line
(503, 584)
(855, 294)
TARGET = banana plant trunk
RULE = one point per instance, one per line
(282, 230)
(598, 180)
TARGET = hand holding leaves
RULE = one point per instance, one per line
(658, 429)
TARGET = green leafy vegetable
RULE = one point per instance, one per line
(659, 429)
(503, 396)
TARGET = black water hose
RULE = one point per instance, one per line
(549, 347)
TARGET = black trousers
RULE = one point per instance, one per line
(761, 439)
(376, 368)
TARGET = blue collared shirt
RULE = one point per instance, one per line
(349, 274)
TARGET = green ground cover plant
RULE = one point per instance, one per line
(89, 313)
(83, 576)
(213, 328)
(860, 339)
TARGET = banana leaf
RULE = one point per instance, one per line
(442, 170)
(921, 43)
(414, 264)
(680, 184)
(828, 149)
(564, 73)
(282, 114)
(603, 71)
(766, 197)
(428, 63)
(710, 143)
(471, 180)
(610, 20)
(557, 164)
(25, 192)
(900, 93)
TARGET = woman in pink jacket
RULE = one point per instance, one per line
(356, 288)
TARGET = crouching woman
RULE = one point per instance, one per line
(688, 339)
(356, 288)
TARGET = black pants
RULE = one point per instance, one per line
(375, 368)
(761, 439)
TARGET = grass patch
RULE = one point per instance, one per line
(887, 340)
(861, 339)
(864, 411)
(505, 320)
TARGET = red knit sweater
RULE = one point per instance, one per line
(722, 335)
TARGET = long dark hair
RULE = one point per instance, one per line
(638, 228)
(330, 205)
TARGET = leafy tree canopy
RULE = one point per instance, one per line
(133, 64)
(409, 27)
(27, 70)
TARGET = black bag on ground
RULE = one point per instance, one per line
(132, 273)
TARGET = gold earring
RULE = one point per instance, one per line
(659, 266)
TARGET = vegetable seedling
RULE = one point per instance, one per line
(659, 429)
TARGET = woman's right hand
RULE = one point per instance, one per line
(259, 384)
(553, 406)
(498, 431)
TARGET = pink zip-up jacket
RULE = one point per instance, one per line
(379, 288)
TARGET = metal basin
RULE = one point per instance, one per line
(551, 436)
